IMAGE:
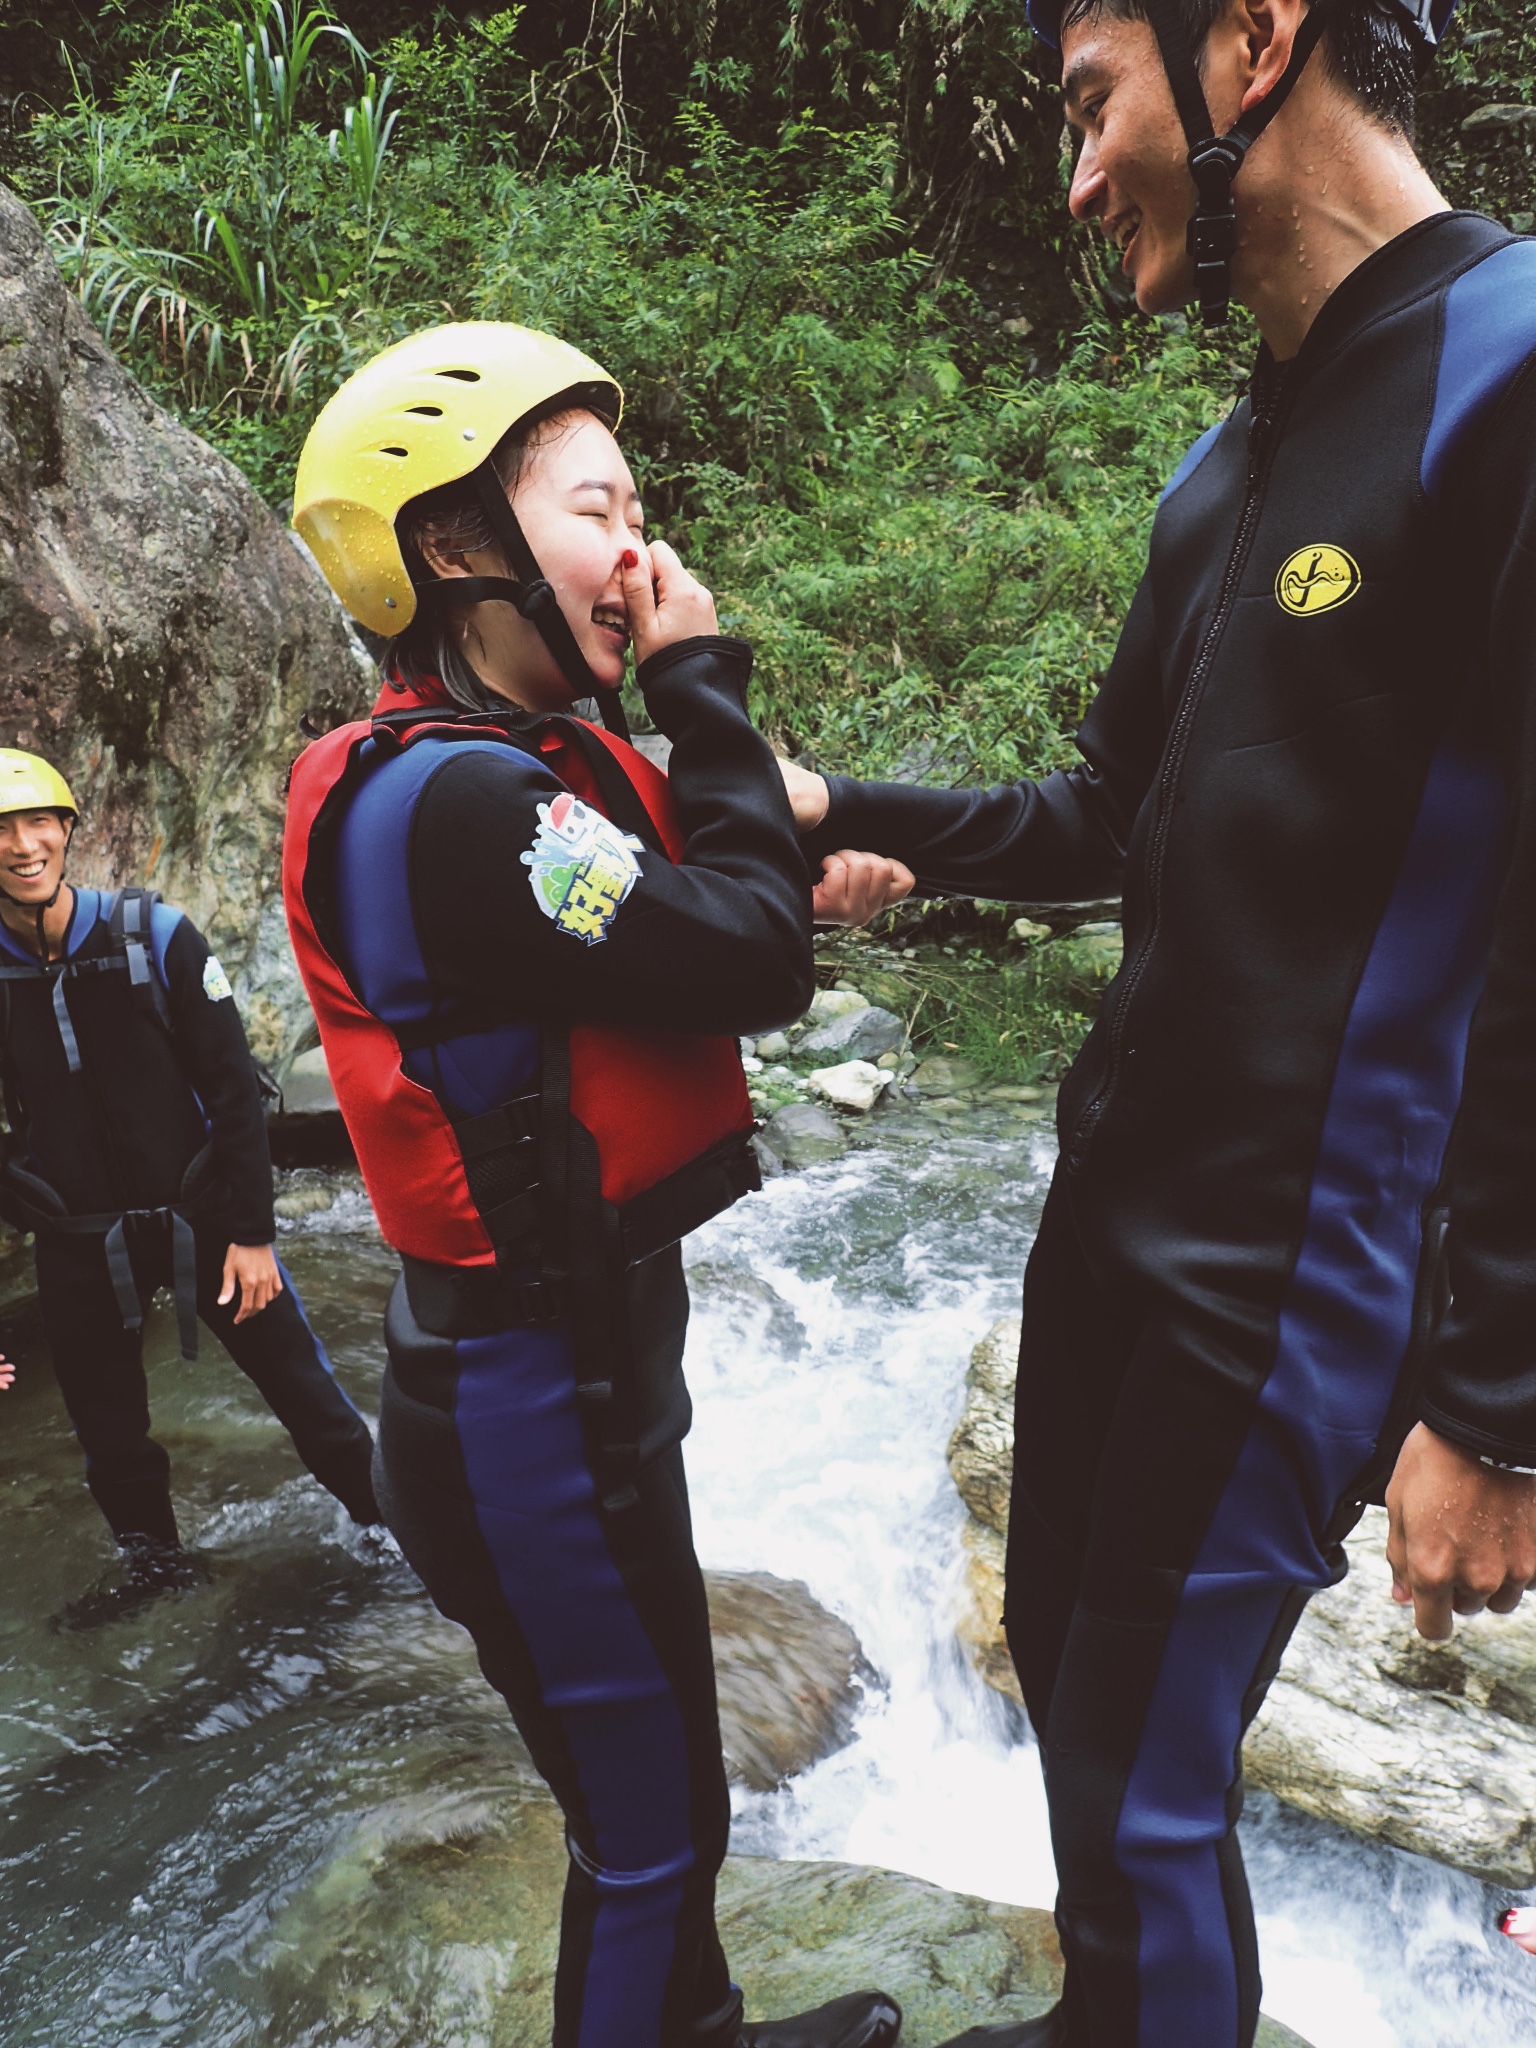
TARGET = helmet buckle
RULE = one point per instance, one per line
(536, 598)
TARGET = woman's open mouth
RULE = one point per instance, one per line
(612, 621)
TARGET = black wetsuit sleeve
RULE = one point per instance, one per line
(211, 1047)
(1059, 840)
(718, 942)
(1480, 1382)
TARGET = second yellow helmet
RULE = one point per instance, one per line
(423, 413)
(29, 783)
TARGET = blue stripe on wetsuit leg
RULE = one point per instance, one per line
(1489, 331)
(1343, 1335)
(314, 1335)
(525, 1461)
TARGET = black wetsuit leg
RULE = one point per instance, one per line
(100, 1370)
(1168, 1525)
(594, 1628)
(279, 1352)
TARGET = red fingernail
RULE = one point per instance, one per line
(629, 559)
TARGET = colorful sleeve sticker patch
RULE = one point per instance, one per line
(581, 867)
(215, 981)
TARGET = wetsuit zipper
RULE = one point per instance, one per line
(1266, 402)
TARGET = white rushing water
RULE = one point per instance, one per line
(834, 1316)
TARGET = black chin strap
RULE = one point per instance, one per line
(533, 595)
(1215, 160)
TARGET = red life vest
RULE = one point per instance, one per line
(668, 1111)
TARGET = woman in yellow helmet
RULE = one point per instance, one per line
(529, 954)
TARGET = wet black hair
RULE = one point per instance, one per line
(452, 520)
(1369, 47)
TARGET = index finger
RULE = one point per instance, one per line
(1432, 1613)
(666, 566)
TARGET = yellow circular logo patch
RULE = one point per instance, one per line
(1316, 579)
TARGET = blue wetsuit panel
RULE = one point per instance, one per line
(473, 1071)
(1490, 330)
(1192, 461)
(1344, 1332)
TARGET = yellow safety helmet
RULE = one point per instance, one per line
(29, 783)
(426, 412)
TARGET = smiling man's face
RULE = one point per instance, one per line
(1132, 175)
(32, 849)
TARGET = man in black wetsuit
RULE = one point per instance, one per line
(138, 1155)
(1287, 1256)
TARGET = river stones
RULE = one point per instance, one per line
(828, 1003)
(981, 1449)
(855, 1085)
(980, 1627)
(940, 1076)
(858, 1035)
(160, 634)
(1430, 1749)
(803, 1134)
(789, 1674)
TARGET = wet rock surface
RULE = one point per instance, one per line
(437, 1923)
(801, 1134)
(160, 634)
(790, 1676)
(1430, 1749)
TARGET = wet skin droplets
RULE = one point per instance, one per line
(199, 1802)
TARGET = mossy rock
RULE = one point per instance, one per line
(437, 1923)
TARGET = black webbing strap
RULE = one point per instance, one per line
(120, 1267)
(515, 1122)
(1215, 160)
(622, 802)
(531, 592)
(689, 1198)
(183, 1271)
(41, 1207)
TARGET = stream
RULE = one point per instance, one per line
(172, 1783)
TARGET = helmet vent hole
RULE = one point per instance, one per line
(428, 412)
(394, 451)
(463, 376)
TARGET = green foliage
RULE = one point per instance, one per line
(929, 542)
(1012, 1012)
(1489, 60)
(929, 546)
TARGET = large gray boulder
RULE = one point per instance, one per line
(160, 634)
(1431, 1749)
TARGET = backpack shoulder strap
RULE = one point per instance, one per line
(128, 926)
